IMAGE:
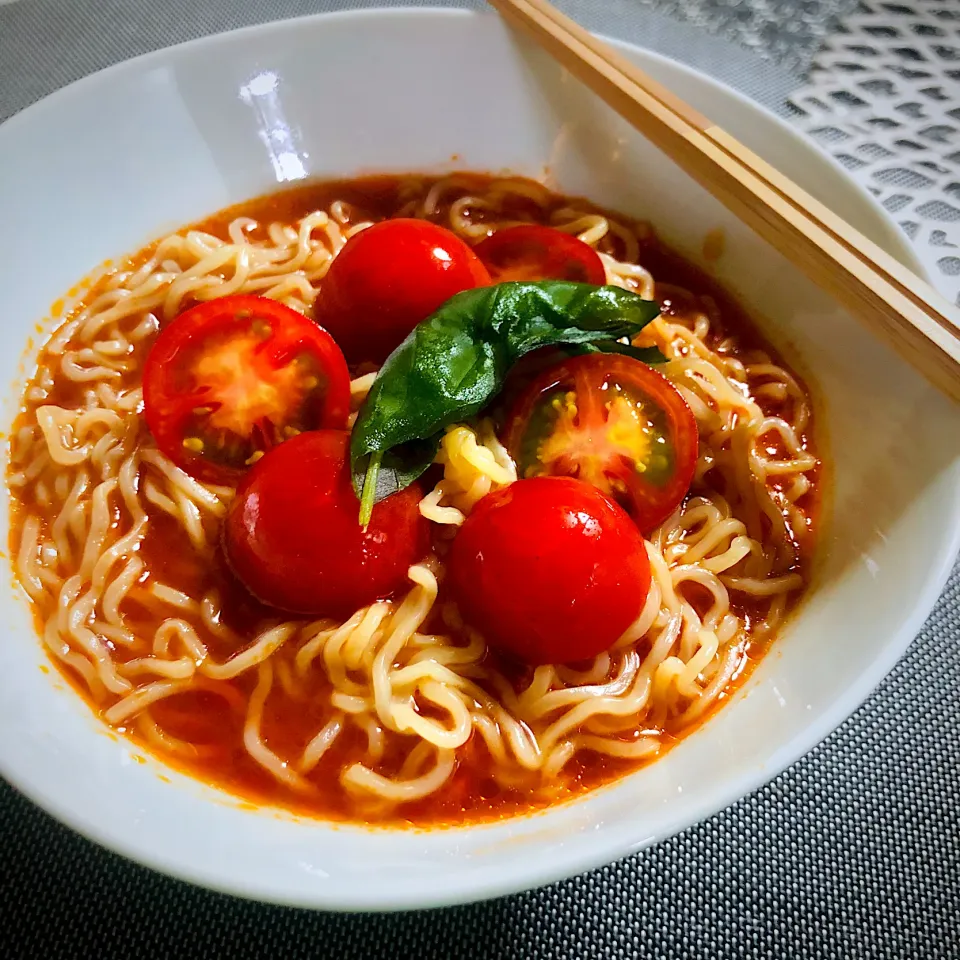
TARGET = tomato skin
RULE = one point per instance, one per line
(588, 446)
(293, 538)
(534, 252)
(549, 570)
(254, 365)
(388, 278)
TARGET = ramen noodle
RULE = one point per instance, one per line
(400, 710)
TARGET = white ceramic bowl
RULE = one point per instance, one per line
(117, 159)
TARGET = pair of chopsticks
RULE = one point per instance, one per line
(896, 304)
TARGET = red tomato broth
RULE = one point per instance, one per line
(207, 717)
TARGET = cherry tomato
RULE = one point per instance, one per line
(532, 252)
(387, 279)
(292, 535)
(614, 422)
(231, 378)
(549, 570)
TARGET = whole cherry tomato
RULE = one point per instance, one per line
(533, 252)
(293, 538)
(231, 378)
(388, 278)
(614, 422)
(549, 570)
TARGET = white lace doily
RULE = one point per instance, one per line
(884, 98)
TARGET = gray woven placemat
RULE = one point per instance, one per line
(853, 852)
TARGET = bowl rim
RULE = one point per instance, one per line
(621, 839)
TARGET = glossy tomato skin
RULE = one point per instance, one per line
(388, 278)
(292, 534)
(577, 419)
(549, 570)
(232, 377)
(534, 252)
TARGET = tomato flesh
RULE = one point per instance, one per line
(388, 278)
(232, 378)
(549, 570)
(533, 252)
(613, 422)
(293, 538)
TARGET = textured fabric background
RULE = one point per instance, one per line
(852, 853)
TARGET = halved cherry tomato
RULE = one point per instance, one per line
(231, 378)
(533, 252)
(549, 570)
(293, 538)
(387, 279)
(614, 422)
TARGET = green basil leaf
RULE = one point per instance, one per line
(392, 471)
(648, 355)
(454, 363)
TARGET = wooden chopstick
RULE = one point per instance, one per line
(793, 193)
(896, 304)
